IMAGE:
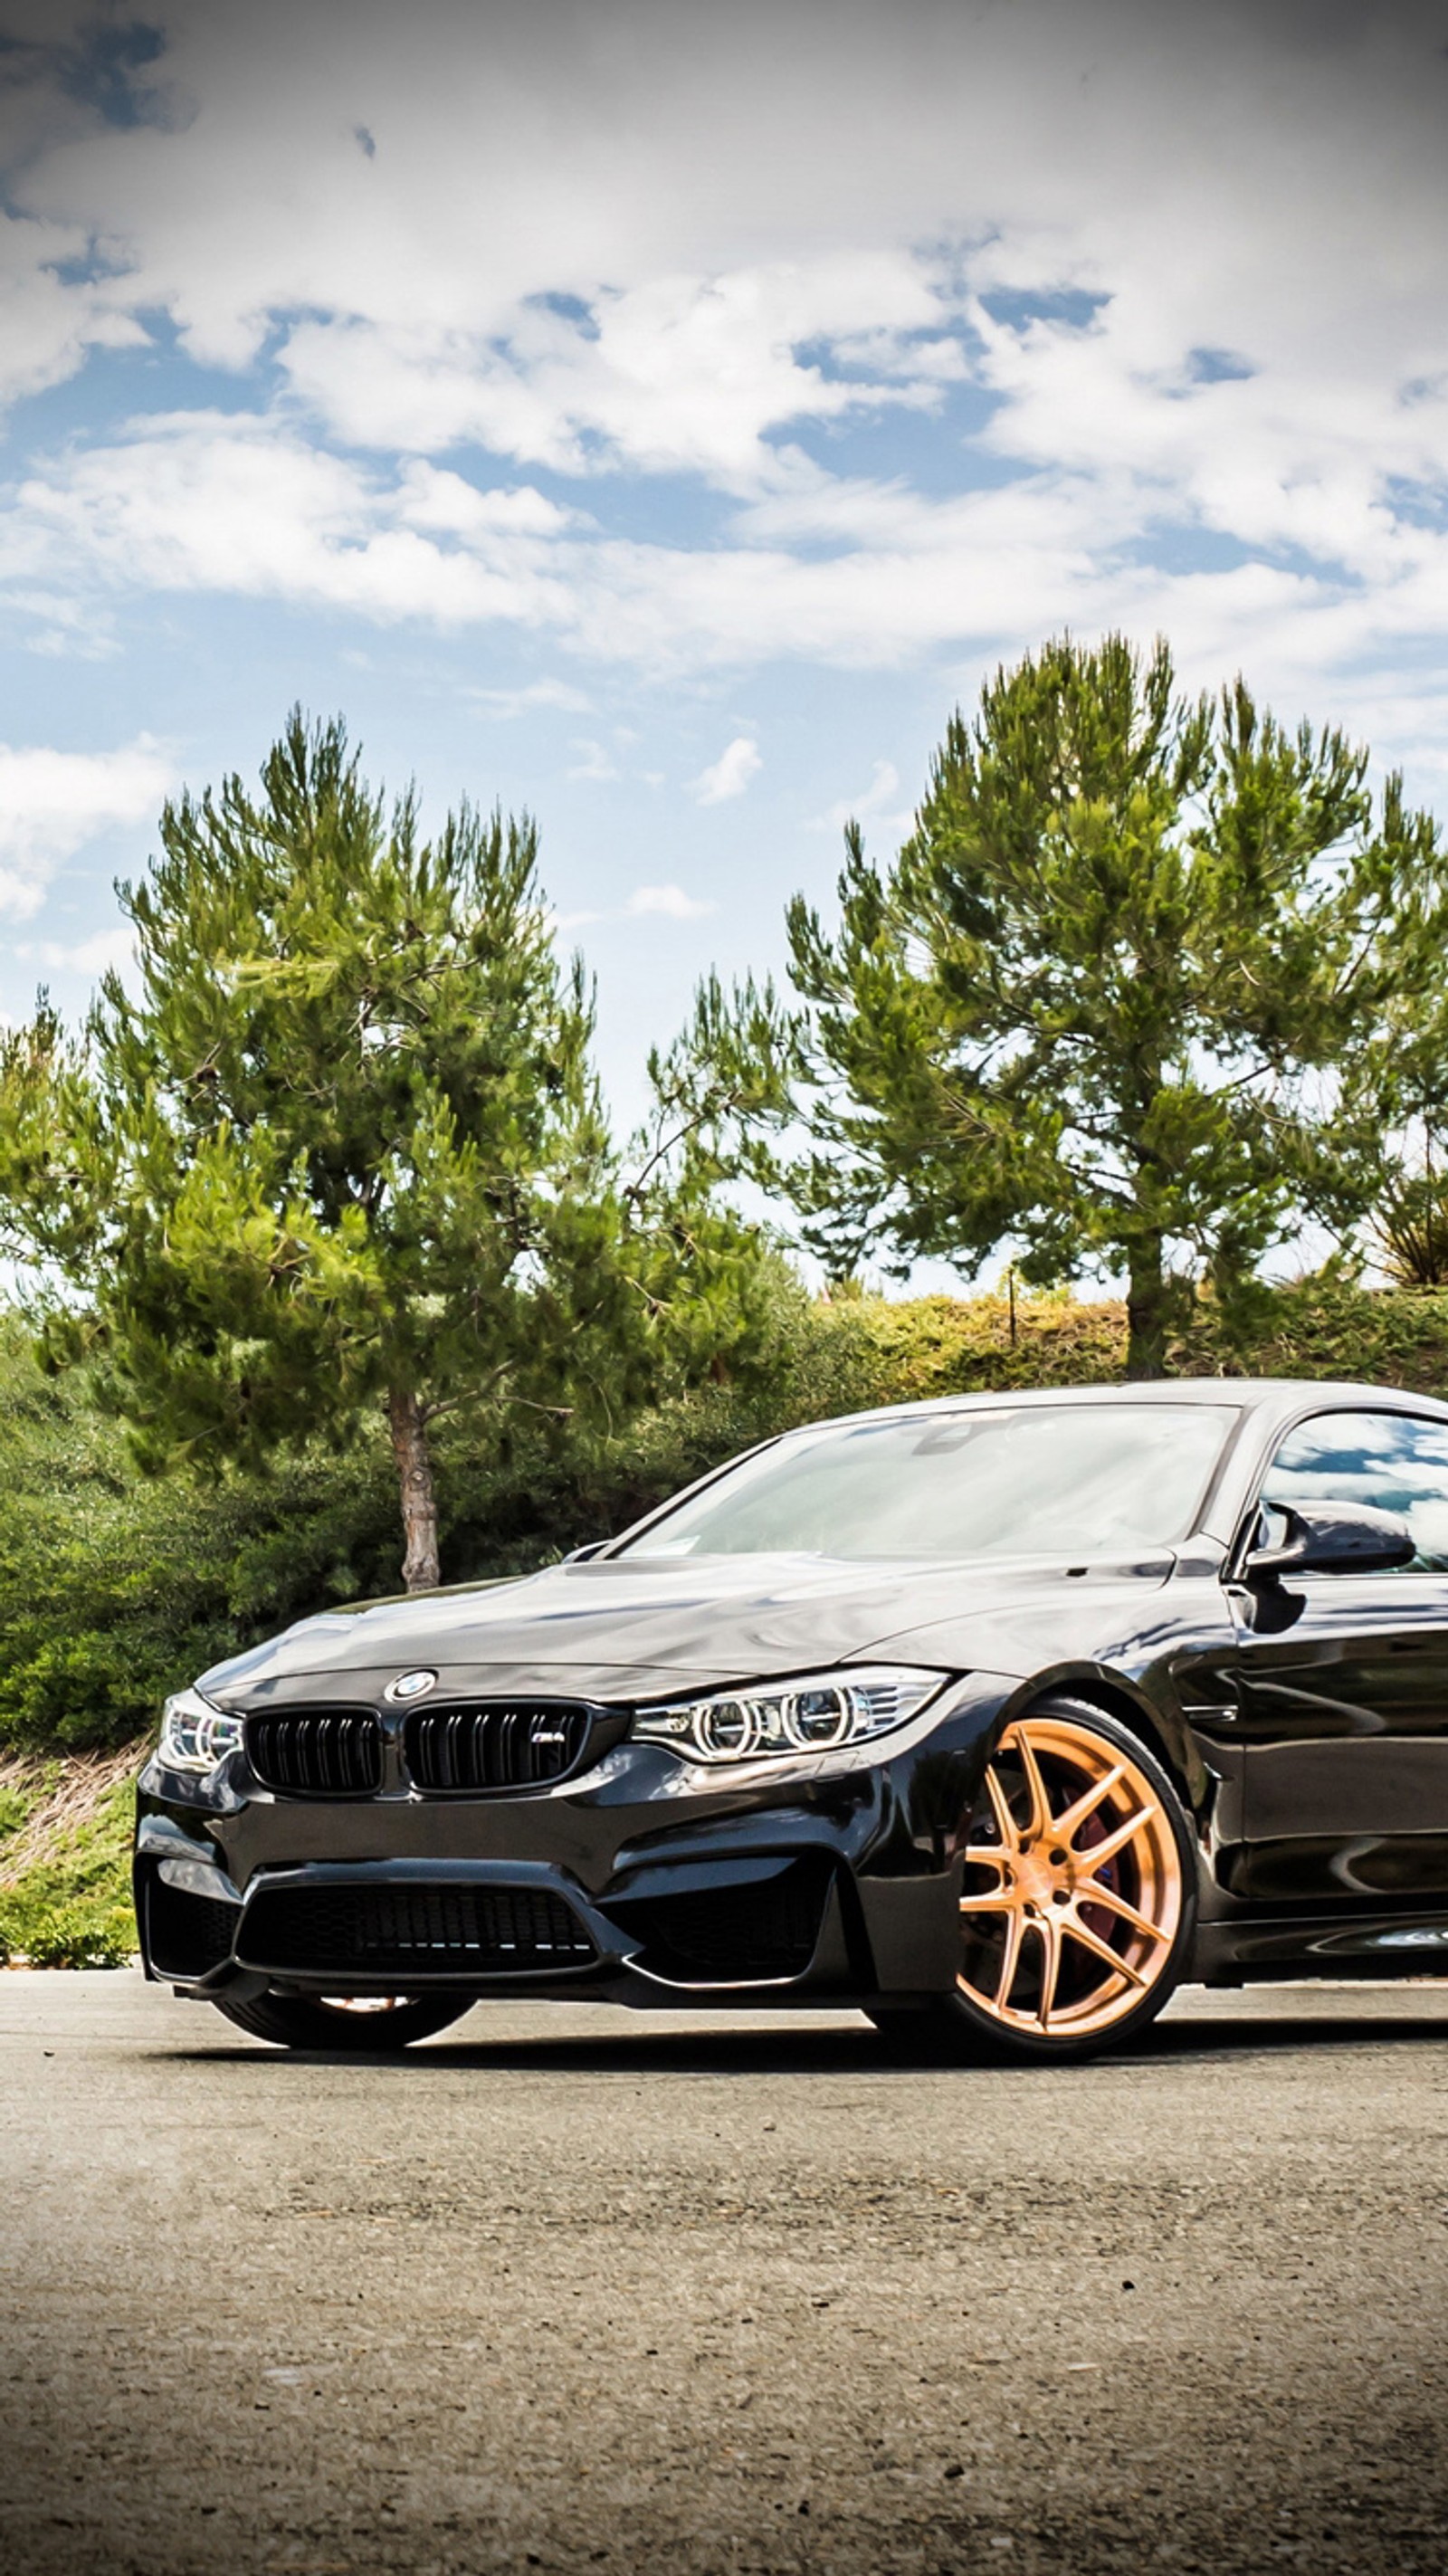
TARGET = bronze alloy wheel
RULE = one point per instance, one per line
(1075, 1903)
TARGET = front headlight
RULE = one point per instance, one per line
(194, 1735)
(815, 1714)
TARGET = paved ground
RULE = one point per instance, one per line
(571, 2290)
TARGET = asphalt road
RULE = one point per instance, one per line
(577, 2289)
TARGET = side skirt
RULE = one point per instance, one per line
(1384, 1945)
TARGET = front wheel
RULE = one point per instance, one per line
(1078, 1895)
(363, 2025)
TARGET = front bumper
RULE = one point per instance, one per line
(646, 1880)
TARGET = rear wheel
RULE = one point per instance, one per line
(1077, 1899)
(364, 2025)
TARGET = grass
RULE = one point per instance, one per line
(65, 1859)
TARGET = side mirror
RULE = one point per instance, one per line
(1334, 1538)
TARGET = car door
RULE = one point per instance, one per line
(1343, 1680)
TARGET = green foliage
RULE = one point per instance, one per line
(115, 1589)
(343, 1154)
(1121, 999)
(1327, 1327)
(1401, 1082)
(1410, 1223)
(99, 1933)
(71, 1908)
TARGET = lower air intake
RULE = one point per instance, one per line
(404, 1931)
(760, 1932)
(186, 1935)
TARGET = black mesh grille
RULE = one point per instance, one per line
(763, 1930)
(502, 1744)
(317, 1752)
(386, 1931)
(187, 1935)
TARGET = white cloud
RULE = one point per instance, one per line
(680, 374)
(731, 773)
(47, 326)
(594, 762)
(1189, 274)
(53, 802)
(851, 574)
(532, 696)
(115, 947)
(669, 900)
(665, 902)
(876, 805)
(213, 501)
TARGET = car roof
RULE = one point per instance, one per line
(1273, 1397)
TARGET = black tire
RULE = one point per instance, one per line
(960, 2029)
(295, 2021)
(928, 2035)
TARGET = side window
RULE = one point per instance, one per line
(1392, 1460)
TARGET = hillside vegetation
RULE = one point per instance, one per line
(65, 1879)
(115, 1589)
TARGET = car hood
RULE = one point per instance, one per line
(629, 1627)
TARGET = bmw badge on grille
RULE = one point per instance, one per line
(410, 1686)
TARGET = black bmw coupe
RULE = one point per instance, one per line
(997, 1717)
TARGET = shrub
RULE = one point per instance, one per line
(100, 1935)
(65, 1861)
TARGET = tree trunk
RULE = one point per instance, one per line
(1147, 1311)
(408, 1426)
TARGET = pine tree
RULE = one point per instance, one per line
(1102, 1006)
(343, 1151)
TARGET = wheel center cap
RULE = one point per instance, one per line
(1036, 1879)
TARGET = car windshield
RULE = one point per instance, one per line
(1080, 1481)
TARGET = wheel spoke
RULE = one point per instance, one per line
(1089, 1940)
(1005, 1821)
(1088, 1893)
(1039, 1821)
(1010, 1961)
(1050, 1935)
(984, 1856)
(1069, 1825)
(1112, 1843)
(996, 1900)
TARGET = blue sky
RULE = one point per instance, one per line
(660, 415)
